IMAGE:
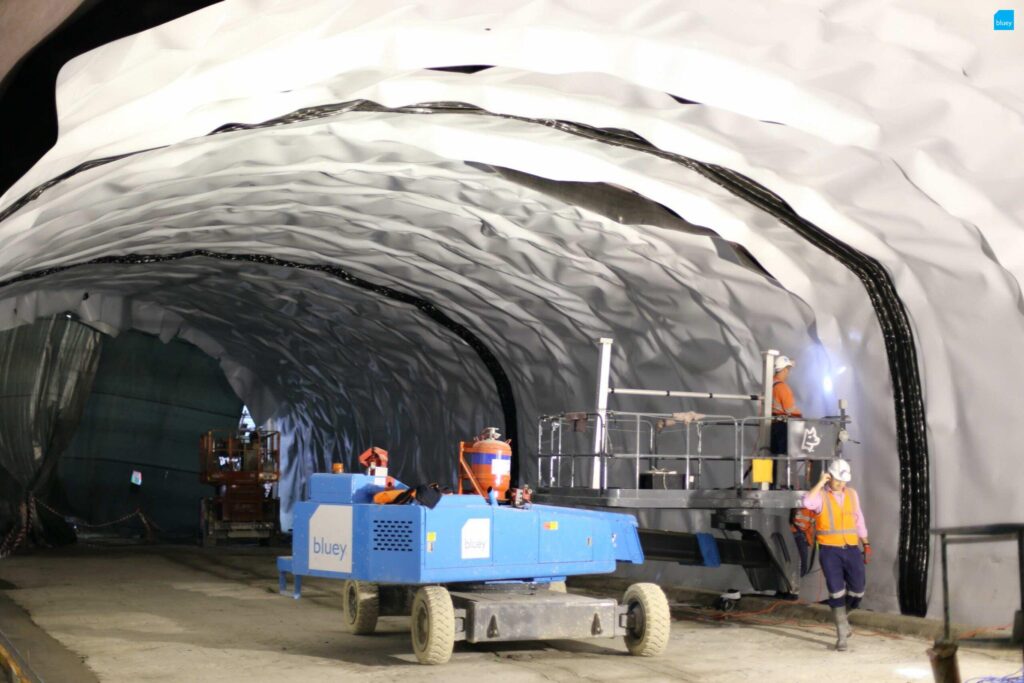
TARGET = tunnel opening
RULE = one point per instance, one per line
(149, 403)
(325, 415)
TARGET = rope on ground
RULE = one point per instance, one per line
(137, 512)
(18, 535)
(987, 629)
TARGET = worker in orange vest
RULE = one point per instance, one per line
(783, 403)
(841, 532)
(783, 408)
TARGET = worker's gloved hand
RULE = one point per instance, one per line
(867, 553)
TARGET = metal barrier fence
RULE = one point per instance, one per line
(691, 443)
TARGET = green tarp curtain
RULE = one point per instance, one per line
(46, 374)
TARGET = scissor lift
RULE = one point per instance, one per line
(242, 466)
(470, 569)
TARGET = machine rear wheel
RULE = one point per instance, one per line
(433, 625)
(360, 606)
(649, 618)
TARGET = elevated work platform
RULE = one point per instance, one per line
(722, 473)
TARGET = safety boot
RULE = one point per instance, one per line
(842, 627)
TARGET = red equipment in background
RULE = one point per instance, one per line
(243, 466)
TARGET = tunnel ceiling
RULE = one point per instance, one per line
(877, 222)
(529, 274)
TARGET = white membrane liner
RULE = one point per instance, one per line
(895, 141)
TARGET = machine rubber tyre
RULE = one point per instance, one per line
(648, 605)
(360, 606)
(433, 625)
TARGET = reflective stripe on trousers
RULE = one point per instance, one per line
(844, 574)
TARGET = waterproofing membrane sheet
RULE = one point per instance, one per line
(44, 393)
(46, 375)
(887, 125)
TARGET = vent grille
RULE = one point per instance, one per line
(392, 535)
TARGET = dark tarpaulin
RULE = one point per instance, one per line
(46, 374)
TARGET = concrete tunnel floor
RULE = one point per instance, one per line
(182, 613)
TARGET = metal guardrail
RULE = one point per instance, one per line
(988, 533)
(689, 440)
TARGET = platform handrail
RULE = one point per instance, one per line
(642, 430)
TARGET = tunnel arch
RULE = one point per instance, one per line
(154, 214)
(844, 159)
(887, 304)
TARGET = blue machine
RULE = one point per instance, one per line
(341, 533)
(475, 546)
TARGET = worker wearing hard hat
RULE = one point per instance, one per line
(840, 532)
(783, 403)
(783, 408)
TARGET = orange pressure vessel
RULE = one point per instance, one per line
(490, 461)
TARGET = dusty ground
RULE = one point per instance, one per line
(178, 613)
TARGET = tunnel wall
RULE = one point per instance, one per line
(886, 142)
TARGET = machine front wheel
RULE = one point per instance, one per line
(649, 619)
(360, 606)
(433, 625)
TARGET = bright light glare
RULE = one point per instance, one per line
(827, 383)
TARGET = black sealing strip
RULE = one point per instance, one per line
(502, 383)
(901, 352)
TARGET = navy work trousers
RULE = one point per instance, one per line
(844, 572)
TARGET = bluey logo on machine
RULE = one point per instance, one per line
(322, 546)
(476, 538)
(330, 539)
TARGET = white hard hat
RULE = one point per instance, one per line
(839, 469)
(783, 362)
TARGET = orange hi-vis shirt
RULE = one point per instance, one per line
(837, 522)
(783, 402)
(805, 521)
